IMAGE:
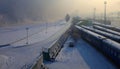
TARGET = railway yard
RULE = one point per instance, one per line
(94, 49)
(59, 34)
(66, 47)
(81, 56)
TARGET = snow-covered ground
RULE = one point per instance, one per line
(12, 34)
(82, 56)
(18, 35)
(18, 56)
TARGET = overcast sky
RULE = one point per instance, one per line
(46, 10)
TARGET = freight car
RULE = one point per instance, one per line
(106, 30)
(109, 47)
(49, 54)
(38, 64)
(108, 35)
(108, 27)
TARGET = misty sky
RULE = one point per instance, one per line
(85, 7)
(51, 10)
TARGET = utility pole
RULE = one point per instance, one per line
(101, 17)
(94, 14)
(105, 3)
(118, 15)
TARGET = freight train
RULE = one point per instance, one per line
(106, 30)
(108, 27)
(38, 64)
(49, 54)
(107, 46)
(108, 35)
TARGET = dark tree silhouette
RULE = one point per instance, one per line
(67, 18)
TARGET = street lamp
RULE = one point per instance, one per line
(46, 27)
(27, 35)
(105, 3)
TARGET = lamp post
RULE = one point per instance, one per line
(46, 27)
(27, 35)
(105, 3)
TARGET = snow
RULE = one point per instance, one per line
(12, 34)
(16, 36)
(39, 36)
(23, 56)
(5, 61)
(82, 56)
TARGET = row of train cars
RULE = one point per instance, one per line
(50, 53)
(104, 38)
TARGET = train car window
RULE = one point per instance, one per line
(119, 56)
(109, 48)
(115, 54)
(110, 51)
(106, 47)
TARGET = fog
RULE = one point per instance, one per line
(20, 11)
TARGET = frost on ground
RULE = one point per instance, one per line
(18, 35)
(5, 61)
(82, 56)
(22, 57)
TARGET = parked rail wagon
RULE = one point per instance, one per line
(38, 64)
(49, 54)
(109, 47)
(108, 35)
(106, 30)
(108, 27)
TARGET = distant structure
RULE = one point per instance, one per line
(67, 17)
(94, 14)
(105, 3)
(76, 19)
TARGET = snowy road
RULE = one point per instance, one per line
(82, 56)
(22, 57)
